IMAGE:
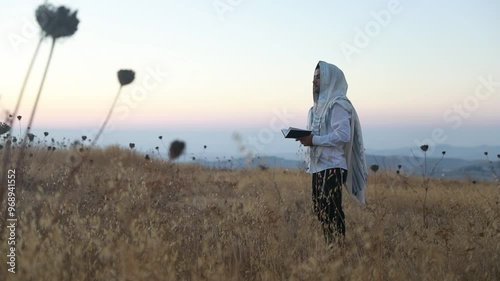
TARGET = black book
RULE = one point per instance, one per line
(293, 133)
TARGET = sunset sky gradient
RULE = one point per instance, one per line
(416, 70)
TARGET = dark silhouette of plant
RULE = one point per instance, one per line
(398, 171)
(55, 23)
(493, 172)
(31, 137)
(176, 149)
(157, 148)
(4, 128)
(125, 77)
(426, 177)
(424, 148)
(374, 168)
(161, 139)
(443, 153)
(19, 117)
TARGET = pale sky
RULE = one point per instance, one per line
(417, 70)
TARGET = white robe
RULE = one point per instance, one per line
(333, 90)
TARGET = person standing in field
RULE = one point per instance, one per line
(336, 152)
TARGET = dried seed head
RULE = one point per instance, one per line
(45, 133)
(443, 152)
(374, 168)
(424, 147)
(399, 166)
(19, 117)
(160, 137)
(147, 157)
(176, 149)
(56, 22)
(126, 76)
(84, 138)
(4, 128)
(486, 153)
(131, 145)
(31, 137)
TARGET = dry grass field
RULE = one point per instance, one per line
(126, 218)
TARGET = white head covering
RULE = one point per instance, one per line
(332, 87)
(332, 90)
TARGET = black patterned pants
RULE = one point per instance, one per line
(327, 202)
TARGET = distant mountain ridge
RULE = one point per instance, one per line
(458, 152)
(457, 162)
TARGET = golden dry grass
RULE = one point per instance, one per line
(126, 218)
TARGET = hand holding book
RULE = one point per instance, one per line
(295, 133)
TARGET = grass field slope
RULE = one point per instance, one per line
(124, 217)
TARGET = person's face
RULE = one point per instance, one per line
(316, 81)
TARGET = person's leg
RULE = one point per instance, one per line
(333, 188)
(315, 195)
(320, 203)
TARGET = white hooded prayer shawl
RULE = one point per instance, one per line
(333, 90)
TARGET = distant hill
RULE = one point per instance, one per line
(457, 152)
(256, 162)
(439, 167)
(474, 167)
